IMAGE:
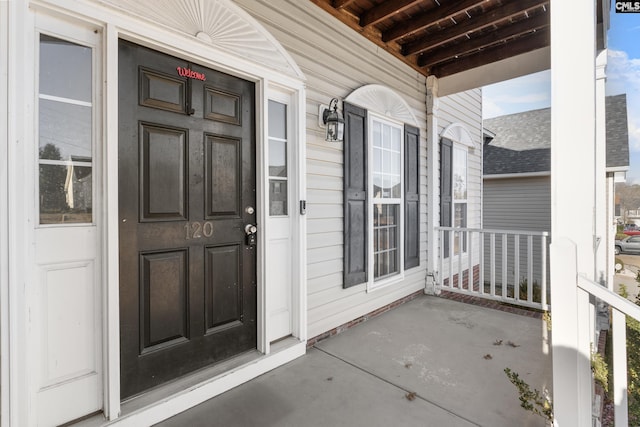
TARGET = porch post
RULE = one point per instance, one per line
(602, 270)
(572, 204)
(433, 204)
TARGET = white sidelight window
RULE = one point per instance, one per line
(65, 132)
(278, 173)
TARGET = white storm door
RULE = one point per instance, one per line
(66, 339)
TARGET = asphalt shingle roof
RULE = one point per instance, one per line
(522, 142)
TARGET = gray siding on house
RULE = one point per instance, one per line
(522, 204)
(336, 61)
(518, 203)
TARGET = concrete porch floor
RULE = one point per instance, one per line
(444, 351)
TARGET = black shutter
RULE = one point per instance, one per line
(355, 195)
(446, 169)
(411, 197)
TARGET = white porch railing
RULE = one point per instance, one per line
(503, 265)
(620, 308)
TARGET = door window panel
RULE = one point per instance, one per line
(278, 174)
(65, 112)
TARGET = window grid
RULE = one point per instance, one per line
(278, 165)
(66, 133)
(386, 198)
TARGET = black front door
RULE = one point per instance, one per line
(186, 192)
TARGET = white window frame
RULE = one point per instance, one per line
(458, 149)
(83, 36)
(372, 282)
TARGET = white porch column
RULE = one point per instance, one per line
(572, 203)
(433, 188)
(602, 270)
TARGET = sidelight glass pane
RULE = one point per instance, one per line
(65, 132)
(277, 120)
(277, 158)
(65, 69)
(278, 196)
(65, 194)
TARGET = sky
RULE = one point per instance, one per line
(623, 76)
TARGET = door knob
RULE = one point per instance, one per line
(250, 229)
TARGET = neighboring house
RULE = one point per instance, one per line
(517, 170)
(220, 231)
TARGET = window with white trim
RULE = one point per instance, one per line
(381, 198)
(386, 196)
(459, 176)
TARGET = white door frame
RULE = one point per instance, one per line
(115, 25)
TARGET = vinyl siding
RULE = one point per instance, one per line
(518, 204)
(465, 108)
(335, 61)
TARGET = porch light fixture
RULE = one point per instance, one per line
(334, 122)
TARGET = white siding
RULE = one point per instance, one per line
(465, 108)
(336, 61)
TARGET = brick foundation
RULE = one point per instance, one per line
(335, 331)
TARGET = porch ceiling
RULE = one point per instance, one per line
(446, 37)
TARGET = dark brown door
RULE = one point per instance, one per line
(186, 183)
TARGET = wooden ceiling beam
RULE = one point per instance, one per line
(385, 10)
(340, 4)
(430, 58)
(537, 40)
(419, 22)
(487, 19)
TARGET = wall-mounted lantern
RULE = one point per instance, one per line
(334, 122)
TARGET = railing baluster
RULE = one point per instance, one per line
(452, 264)
(543, 279)
(504, 265)
(450, 237)
(516, 266)
(620, 395)
(492, 289)
(530, 268)
(441, 257)
(469, 260)
(481, 256)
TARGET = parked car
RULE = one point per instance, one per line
(628, 245)
(631, 231)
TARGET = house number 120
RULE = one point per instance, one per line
(196, 229)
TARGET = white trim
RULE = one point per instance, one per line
(383, 101)
(177, 402)
(516, 175)
(433, 182)
(16, 401)
(385, 281)
(6, 351)
(457, 132)
(111, 275)
(618, 169)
